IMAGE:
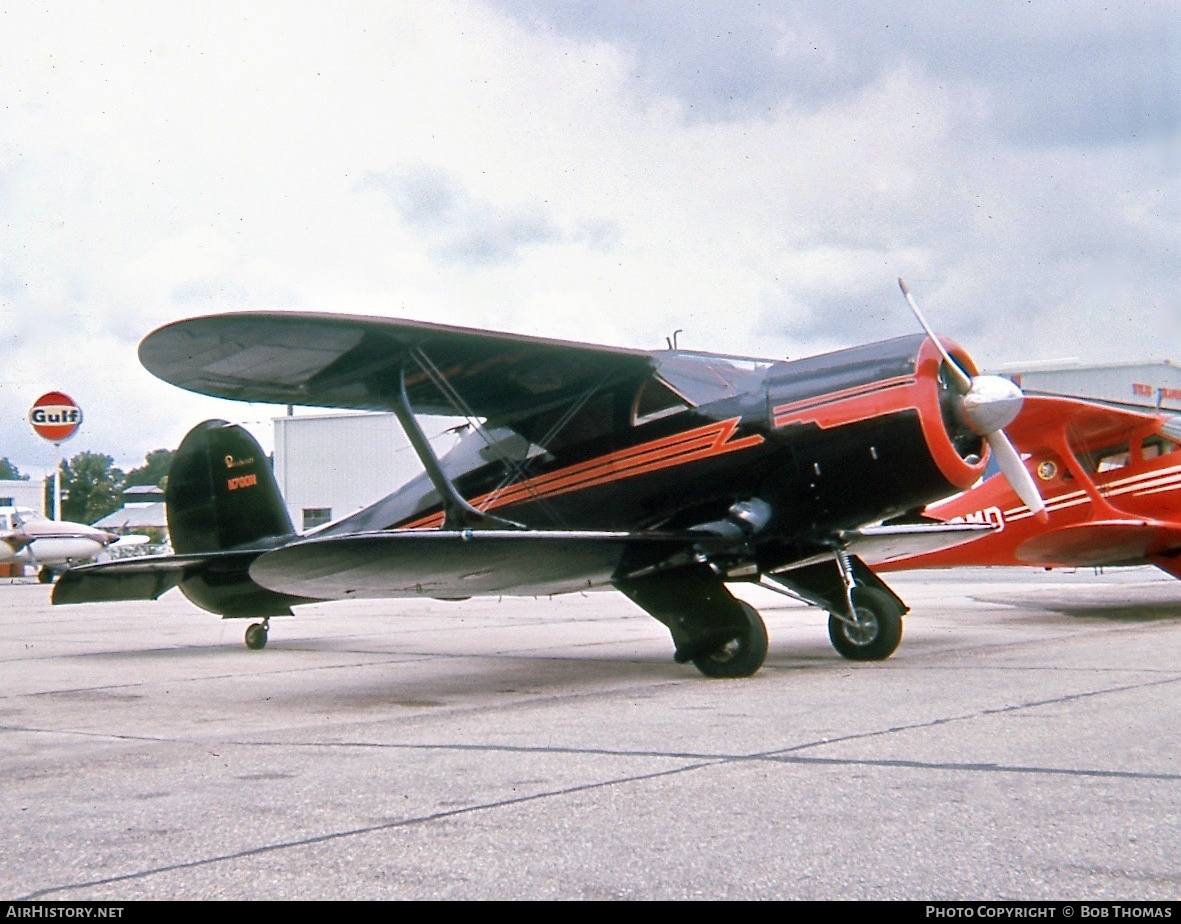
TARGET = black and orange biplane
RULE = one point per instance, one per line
(664, 474)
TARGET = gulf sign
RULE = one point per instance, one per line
(55, 416)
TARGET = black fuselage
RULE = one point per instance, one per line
(830, 442)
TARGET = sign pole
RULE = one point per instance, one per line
(57, 481)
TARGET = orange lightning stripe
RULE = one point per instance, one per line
(849, 405)
(694, 445)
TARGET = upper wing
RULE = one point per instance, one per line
(1087, 425)
(329, 360)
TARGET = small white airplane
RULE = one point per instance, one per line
(28, 538)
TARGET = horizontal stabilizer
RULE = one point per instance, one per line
(130, 541)
(454, 563)
(145, 578)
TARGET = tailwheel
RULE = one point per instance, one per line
(743, 654)
(874, 630)
(256, 636)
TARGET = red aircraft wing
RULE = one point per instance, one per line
(1087, 425)
(1100, 542)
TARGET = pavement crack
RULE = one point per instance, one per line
(356, 832)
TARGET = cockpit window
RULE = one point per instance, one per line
(699, 378)
(564, 426)
(1155, 446)
(655, 400)
(1121, 455)
(1108, 460)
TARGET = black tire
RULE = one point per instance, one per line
(880, 630)
(45, 576)
(743, 655)
(256, 637)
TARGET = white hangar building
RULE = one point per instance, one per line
(29, 494)
(1152, 386)
(331, 465)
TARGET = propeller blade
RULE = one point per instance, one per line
(988, 403)
(962, 380)
(1016, 473)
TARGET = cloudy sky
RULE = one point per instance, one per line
(755, 174)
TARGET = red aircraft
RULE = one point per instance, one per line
(663, 474)
(1111, 483)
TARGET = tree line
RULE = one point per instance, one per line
(92, 486)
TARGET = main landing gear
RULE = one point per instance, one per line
(872, 631)
(743, 654)
(864, 616)
(870, 627)
(256, 635)
(722, 635)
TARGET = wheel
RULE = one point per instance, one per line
(743, 655)
(878, 630)
(256, 636)
(45, 576)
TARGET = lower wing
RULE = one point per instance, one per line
(1102, 542)
(879, 545)
(458, 563)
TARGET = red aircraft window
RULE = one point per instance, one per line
(1156, 446)
(1113, 458)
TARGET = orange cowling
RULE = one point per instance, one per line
(928, 390)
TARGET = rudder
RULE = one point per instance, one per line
(221, 492)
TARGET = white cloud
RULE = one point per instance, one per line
(598, 182)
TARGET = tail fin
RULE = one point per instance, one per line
(221, 492)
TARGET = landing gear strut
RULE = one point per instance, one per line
(256, 635)
(870, 628)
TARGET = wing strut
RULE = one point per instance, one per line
(457, 512)
(513, 469)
